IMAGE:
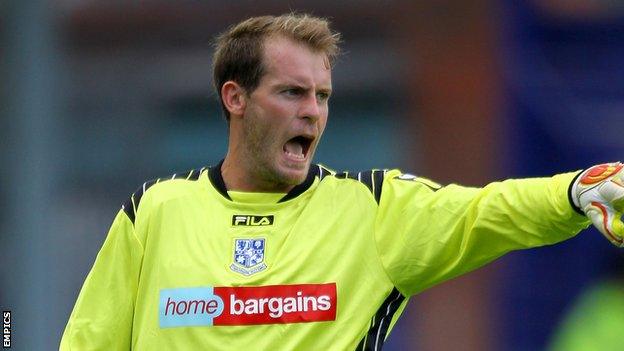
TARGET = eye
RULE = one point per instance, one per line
(292, 92)
(322, 96)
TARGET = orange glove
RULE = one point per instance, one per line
(599, 193)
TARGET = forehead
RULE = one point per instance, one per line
(286, 61)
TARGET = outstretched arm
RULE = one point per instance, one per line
(427, 234)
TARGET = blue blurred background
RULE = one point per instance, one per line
(98, 96)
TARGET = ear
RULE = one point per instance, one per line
(234, 98)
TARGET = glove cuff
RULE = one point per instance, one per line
(571, 193)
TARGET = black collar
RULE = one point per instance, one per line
(214, 174)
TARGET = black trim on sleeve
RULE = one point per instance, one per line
(128, 208)
(349, 175)
(131, 205)
(376, 335)
(322, 171)
(578, 210)
(373, 179)
(378, 178)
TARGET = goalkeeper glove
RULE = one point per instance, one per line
(599, 193)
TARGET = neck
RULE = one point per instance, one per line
(238, 176)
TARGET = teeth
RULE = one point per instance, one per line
(296, 156)
(294, 149)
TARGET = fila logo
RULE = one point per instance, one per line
(250, 220)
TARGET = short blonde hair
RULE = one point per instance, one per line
(239, 50)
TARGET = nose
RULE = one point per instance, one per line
(310, 108)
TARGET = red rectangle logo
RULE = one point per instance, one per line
(247, 305)
(273, 304)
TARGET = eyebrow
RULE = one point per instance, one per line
(302, 87)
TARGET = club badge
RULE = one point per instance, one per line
(248, 257)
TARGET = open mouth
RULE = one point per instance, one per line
(297, 148)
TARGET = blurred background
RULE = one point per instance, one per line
(99, 96)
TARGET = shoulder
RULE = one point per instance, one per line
(372, 180)
(161, 189)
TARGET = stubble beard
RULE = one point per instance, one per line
(260, 159)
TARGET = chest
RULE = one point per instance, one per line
(246, 245)
(268, 268)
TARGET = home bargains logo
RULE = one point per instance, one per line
(247, 305)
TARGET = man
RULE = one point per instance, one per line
(270, 252)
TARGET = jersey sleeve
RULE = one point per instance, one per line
(102, 316)
(427, 234)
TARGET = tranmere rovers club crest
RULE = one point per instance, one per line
(248, 256)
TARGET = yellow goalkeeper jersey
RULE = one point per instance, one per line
(188, 265)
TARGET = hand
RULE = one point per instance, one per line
(599, 193)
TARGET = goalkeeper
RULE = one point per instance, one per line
(268, 251)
